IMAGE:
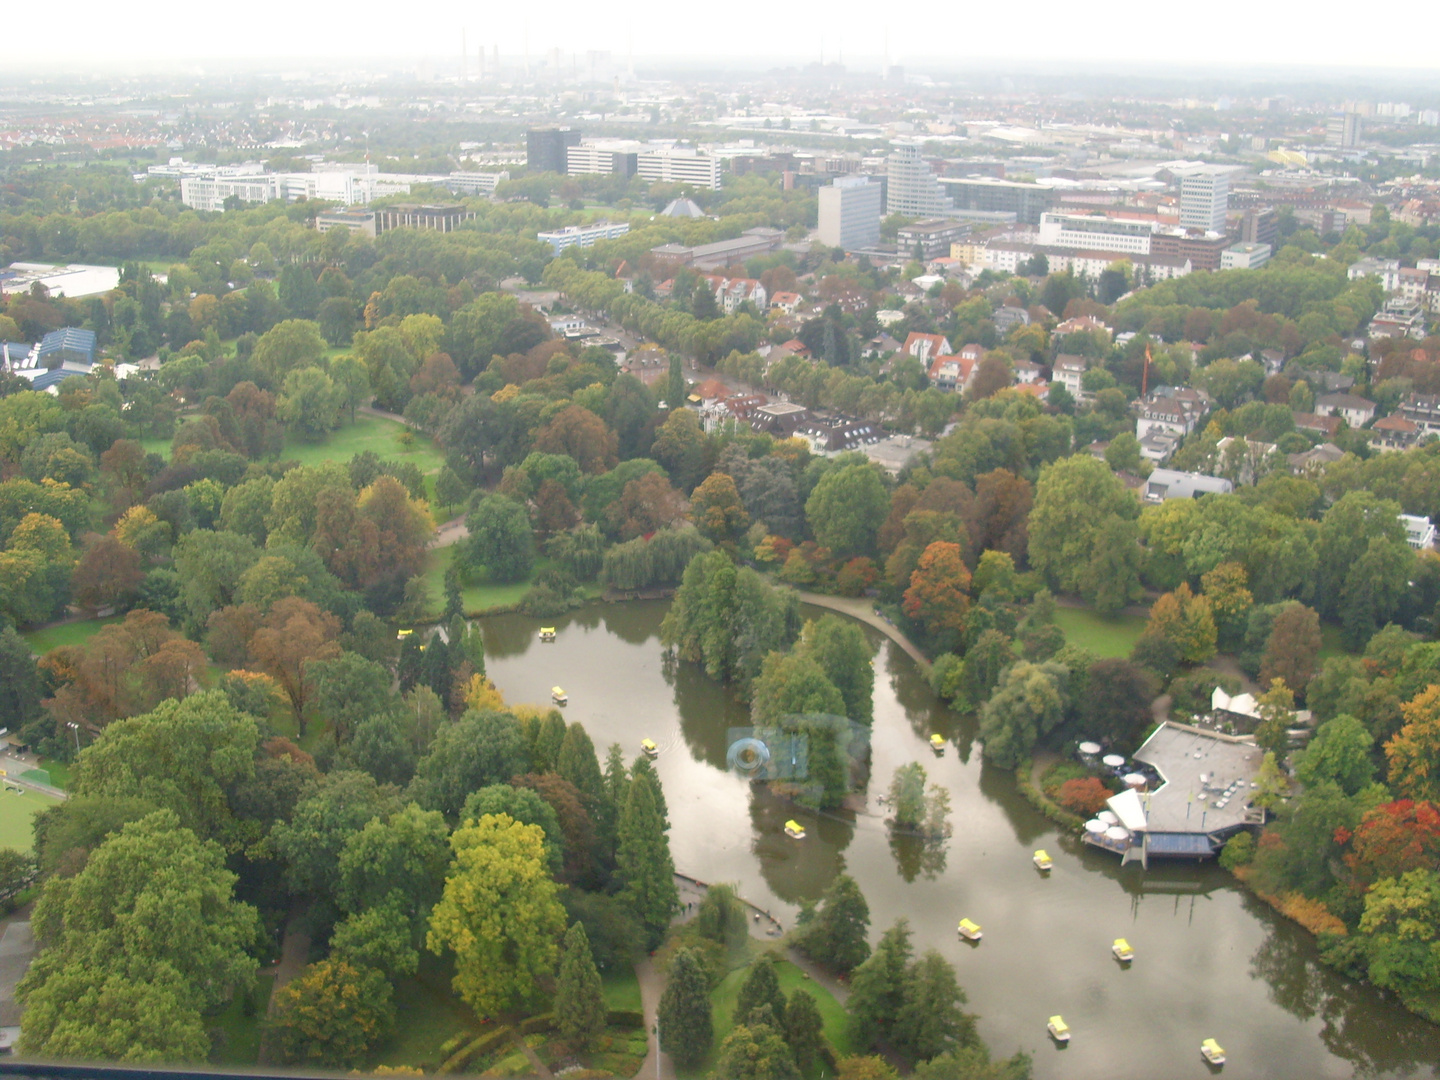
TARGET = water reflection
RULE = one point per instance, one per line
(1211, 962)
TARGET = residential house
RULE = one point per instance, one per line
(1353, 409)
(1394, 432)
(1069, 371)
(1158, 446)
(1315, 460)
(952, 373)
(925, 347)
(1083, 324)
(1164, 484)
(1025, 370)
(1419, 532)
(1399, 318)
(1423, 410)
(786, 301)
(1273, 361)
(1170, 410)
(1329, 426)
(730, 293)
(1007, 318)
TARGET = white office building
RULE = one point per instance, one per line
(1087, 232)
(475, 183)
(850, 210)
(1204, 196)
(583, 235)
(912, 189)
(210, 192)
(1245, 257)
(679, 166)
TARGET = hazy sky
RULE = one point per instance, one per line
(1193, 34)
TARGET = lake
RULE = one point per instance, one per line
(1211, 961)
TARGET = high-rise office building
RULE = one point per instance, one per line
(545, 148)
(1204, 195)
(620, 159)
(1343, 130)
(850, 210)
(912, 187)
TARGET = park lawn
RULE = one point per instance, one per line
(622, 990)
(15, 814)
(478, 598)
(71, 633)
(724, 996)
(367, 433)
(239, 1025)
(156, 446)
(426, 1015)
(1106, 638)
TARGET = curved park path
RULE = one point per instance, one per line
(858, 607)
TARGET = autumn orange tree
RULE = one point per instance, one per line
(578, 432)
(939, 592)
(126, 668)
(1394, 839)
(294, 633)
(107, 573)
(1414, 753)
(1184, 620)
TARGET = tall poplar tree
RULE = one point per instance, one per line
(646, 871)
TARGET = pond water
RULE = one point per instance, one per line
(1211, 961)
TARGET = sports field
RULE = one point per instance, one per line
(15, 814)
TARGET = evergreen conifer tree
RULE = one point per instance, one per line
(686, 1028)
(579, 1001)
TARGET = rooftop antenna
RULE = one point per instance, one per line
(630, 49)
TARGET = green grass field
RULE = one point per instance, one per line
(723, 999)
(426, 1015)
(71, 633)
(1104, 637)
(367, 433)
(15, 814)
(59, 772)
(478, 598)
(622, 990)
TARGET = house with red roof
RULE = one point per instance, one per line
(924, 347)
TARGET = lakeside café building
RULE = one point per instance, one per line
(1206, 783)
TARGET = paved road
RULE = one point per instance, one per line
(294, 954)
(17, 949)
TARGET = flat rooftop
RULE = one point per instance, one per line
(1198, 769)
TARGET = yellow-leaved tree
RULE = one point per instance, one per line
(499, 914)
